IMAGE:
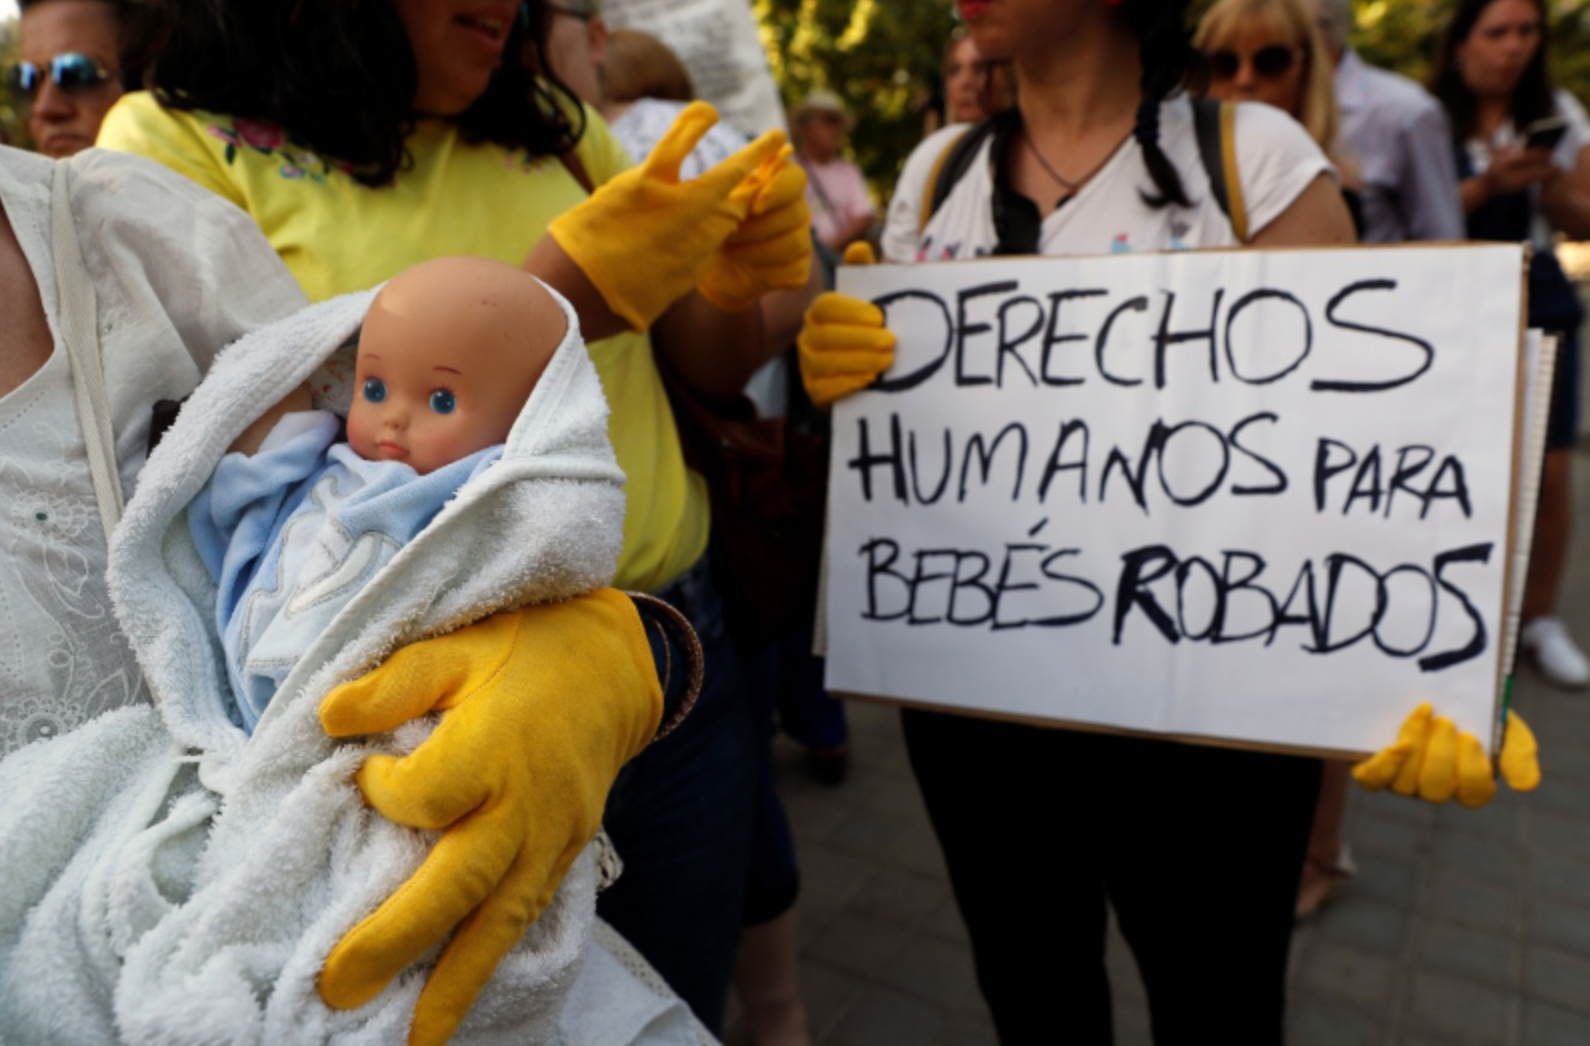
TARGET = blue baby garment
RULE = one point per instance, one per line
(292, 533)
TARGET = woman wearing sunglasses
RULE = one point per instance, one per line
(1044, 829)
(1271, 51)
(68, 77)
(1522, 149)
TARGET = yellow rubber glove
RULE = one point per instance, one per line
(1432, 760)
(543, 706)
(772, 248)
(843, 343)
(645, 239)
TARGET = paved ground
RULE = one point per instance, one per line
(1462, 926)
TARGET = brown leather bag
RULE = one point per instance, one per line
(768, 484)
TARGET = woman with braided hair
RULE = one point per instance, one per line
(1194, 847)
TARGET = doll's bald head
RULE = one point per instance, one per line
(451, 350)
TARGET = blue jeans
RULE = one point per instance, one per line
(681, 815)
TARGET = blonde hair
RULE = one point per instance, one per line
(1291, 23)
(642, 66)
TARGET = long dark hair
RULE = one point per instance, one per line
(338, 76)
(1532, 98)
(1170, 63)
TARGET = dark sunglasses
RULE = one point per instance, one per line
(72, 72)
(1268, 62)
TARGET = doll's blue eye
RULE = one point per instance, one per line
(443, 402)
(374, 390)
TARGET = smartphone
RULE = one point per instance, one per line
(1545, 133)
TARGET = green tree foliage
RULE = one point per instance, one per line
(1403, 34)
(12, 125)
(882, 57)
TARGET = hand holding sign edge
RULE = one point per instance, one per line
(843, 343)
(1433, 760)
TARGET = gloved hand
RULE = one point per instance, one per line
(645, 239)
(843, 343)
(772, 248)
(1432, 760)
(543, 706)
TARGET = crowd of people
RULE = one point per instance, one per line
(257, 157)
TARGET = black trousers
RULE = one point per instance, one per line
(1199, 850)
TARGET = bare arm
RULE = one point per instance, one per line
(1511, 170)
(713, 352)
(1317, 218)
(27, 341)
(551, 265)
(1473, 193)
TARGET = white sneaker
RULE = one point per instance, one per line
(1555, 652)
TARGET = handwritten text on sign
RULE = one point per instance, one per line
(1260, 496)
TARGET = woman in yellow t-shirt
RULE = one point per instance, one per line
(364, 138)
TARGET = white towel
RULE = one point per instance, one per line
(168, 880)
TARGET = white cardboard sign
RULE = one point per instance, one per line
(1252, 496)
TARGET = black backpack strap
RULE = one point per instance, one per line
(953, 163)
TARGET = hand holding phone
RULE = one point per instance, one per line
(1514, 169)
(1545, 133)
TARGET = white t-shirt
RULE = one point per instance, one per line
(1565, 156)
(1276, 161)
(179, 273)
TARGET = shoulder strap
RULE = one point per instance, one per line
(576, 168)
(1214, 123)
(79, 321)
(952, 164)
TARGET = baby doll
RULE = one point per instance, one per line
(297, 518)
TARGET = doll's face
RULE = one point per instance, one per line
(450, 351)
